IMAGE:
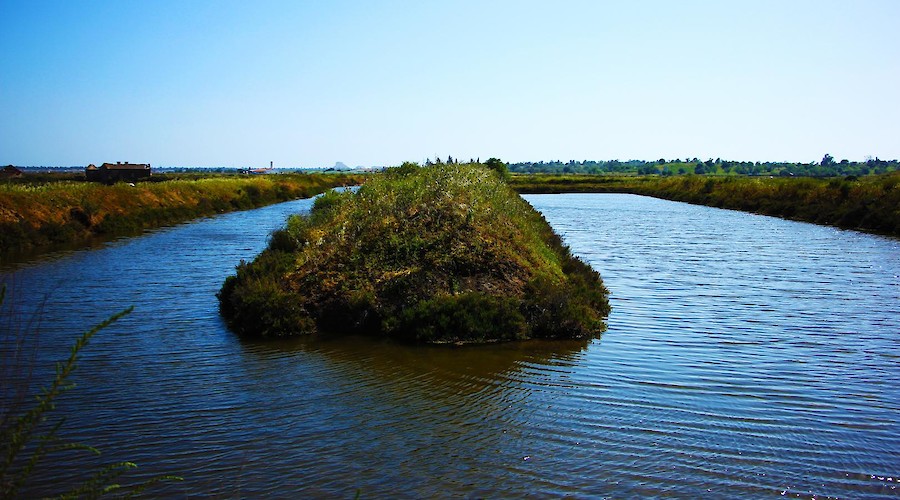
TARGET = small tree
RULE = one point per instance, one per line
(498, 166)
(408, 167)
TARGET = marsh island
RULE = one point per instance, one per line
(436, 253)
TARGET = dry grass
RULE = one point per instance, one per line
(35, 216)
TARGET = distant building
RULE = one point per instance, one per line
(10, 172)
(117, 172)
(258, 171)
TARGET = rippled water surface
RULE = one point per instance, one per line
(745, 356)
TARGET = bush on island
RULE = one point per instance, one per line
(437, 253)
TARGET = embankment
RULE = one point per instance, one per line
(870, 203)
(36, 217)
(438, 254)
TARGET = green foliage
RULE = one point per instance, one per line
(498, 166)
(827, 167)
(871, 203)
(440, 253)
(278, 313)
(466, 317)
(407, 168)
(23, 447)
(326, 202)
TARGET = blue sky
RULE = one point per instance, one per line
(306, 84)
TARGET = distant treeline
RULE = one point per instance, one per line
(870, 203)
(827, 167)
(42, 215)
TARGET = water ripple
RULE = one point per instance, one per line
(745, 356)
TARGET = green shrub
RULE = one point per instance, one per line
(407, 168)
(498, 166)
(252, 290)
(467, 317)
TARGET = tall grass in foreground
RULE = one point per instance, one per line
(29, 440)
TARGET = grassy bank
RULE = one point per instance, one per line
(870, 203)
(37, 216)
(443, 253)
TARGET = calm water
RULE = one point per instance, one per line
(745, 356)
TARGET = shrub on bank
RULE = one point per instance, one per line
(440, 253)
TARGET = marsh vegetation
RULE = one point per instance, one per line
(870, 203)
(440, 253)
(45, 211)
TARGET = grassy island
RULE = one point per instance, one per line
(444, 253)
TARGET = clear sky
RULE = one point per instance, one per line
(309, 83)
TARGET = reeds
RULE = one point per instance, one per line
(870, 203)
(441, 253)
(33, 216)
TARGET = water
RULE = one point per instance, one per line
(745, 356)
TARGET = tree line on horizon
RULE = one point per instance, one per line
(827, 167)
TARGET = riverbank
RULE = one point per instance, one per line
(38, 217)
(446, 253)
(869, 203)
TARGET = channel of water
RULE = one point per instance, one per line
(746, 356)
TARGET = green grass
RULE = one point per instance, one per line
(870, 203)
(39, 215)
(442, 253)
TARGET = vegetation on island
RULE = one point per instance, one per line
(441, 253)
(40, 212)
(870, 203)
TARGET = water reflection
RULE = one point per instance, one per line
(358, 412)
(438, 369)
